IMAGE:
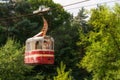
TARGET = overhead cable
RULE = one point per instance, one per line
(75, 3)
(92, 5)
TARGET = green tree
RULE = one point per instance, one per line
(61, 74)
(102, 55)
(11, 62)
(81, 20)
(10, 22)
(81, 28)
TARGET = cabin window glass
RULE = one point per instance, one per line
(45, 45)
(48, 44)
(38, 45)
(51, 44)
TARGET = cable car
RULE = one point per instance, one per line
(40, 48)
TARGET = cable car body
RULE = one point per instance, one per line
(39, 49)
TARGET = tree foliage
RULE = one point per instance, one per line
(102, 52)
(11, 62)
(61, 74)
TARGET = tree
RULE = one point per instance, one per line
(61, 74)
(81, 19)
(102, 55)
(80, 29)
(11, 62)
(11, 21)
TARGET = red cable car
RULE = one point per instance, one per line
(40, 48)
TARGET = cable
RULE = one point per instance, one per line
(7, 18)
(41, 14)
(75, 3)
(91, 5)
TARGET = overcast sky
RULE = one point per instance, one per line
(76, 7)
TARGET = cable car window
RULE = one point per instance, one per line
(50, 44)
(45, 45)
(38, 45)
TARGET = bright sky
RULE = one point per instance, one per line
(74, 9)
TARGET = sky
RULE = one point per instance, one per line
(74, 9)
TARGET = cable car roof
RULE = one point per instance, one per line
(34, 38)
(38, 38)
